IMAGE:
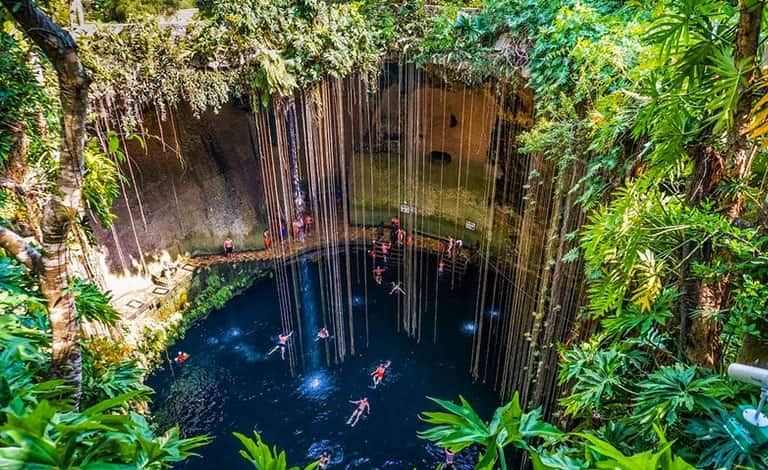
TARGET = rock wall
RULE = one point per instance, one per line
(190, 200)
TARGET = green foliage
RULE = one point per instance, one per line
(461, 427)
(724, 445)
(122, 10)
(262, 457)
(92, 304)
(234, 48)
(101, 184)
(601, 454)
(670, 391)
(39, 426)
(48, 435)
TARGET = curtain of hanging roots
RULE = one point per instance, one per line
(333, 137)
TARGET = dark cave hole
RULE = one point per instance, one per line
(437, 156)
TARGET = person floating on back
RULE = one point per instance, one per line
(396, 289)
(362, 405)
(229, 248)
(281, 344)
(378, 374)
(322, 334)
(181, 357)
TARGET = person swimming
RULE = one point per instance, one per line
(181, 357)
(322, 334)
(377, 273)
(325, 460)
(362, 405)
(449, 459)
(281, 344)
(440, 267)
(396, 289)
(378, 374)
(385, 251)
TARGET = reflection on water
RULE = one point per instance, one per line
(229, 384)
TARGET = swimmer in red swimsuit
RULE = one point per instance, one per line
(378, 374)
(181, 357)
(322, 334)
(281, 344)
(377, 274)
(362, 405)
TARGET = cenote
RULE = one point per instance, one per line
(230, 384)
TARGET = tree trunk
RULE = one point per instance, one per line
(62, 210)
(701, 340)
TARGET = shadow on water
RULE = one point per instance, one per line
(229, 384)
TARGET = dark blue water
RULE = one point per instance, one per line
(229, 384)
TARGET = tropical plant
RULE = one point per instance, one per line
(263, 457)
(92, 304)
(49, 435)
(460, 427)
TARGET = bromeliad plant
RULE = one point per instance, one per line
(461, 427)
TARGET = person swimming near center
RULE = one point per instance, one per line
(281, 344)
(440, 267)
(377, 274)
(181, 357)
(397, 289)
(378, 374)
(362, 405)
(322, 334)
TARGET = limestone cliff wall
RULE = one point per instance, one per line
(192, 199)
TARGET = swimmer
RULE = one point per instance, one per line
(322, 334)
(378, 374)
(377, 274)
(282, 344)
(385, 251)
(396, 289)
(449, 459)
(325, 460)
(362, 405)
(229, 247)
(409, 240)
(181, 357)
(440, 267)
(400, 236)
